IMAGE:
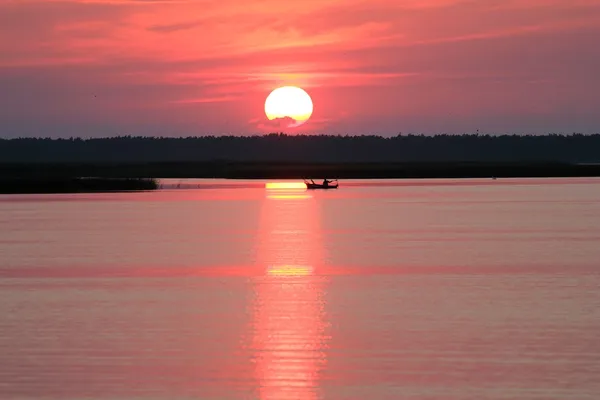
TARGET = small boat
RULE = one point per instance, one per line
(313, 185)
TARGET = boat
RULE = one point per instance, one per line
(313, 185)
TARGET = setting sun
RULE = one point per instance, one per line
(289, 102)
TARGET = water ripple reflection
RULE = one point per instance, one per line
(288, 324)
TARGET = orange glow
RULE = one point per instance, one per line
(290, 270)
(284, 185)
(289, 102)
(288, 324)
(287, 190)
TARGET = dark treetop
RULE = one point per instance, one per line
(576, 148)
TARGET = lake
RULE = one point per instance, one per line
(215, 289)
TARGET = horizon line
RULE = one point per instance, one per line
(302, 135)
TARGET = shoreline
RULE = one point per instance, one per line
(289, 170)
(21, 178)
(42, 185)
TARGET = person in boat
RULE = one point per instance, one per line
(326, 182)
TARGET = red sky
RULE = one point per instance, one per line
(186, 67)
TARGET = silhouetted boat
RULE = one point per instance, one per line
(313, 185)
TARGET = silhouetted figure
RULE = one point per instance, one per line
(326, 182)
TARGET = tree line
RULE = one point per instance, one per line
(277, 147)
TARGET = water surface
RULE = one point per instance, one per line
(432, 289)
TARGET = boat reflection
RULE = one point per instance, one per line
(288, 319)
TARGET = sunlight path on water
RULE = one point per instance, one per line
(288, 324)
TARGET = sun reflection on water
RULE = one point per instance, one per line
(287, 191)
(288, 326)
(290, 270)
(284, 185)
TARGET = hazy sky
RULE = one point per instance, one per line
(183, 67)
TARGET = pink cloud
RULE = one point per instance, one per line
(218, 99)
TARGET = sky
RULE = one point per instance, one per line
(95, 68)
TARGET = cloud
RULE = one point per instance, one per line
(217, 99)
(181, 26)
(276, 125)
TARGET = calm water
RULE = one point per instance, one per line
(440, 289)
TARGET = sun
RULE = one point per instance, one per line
(289, 102)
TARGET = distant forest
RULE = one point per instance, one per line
(575, 148)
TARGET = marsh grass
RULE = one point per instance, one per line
(75, 185)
